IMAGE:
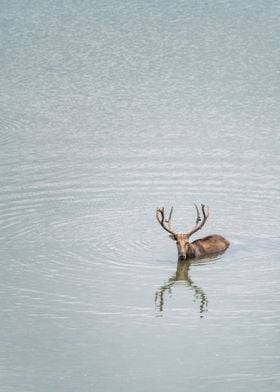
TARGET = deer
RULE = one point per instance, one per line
(212, 244)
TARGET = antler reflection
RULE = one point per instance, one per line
(182, 276)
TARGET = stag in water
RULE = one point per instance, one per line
(202, 247)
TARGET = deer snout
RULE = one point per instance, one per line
(182, 256)
(181, 247)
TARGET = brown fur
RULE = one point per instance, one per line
(204, 246)
(208, 245)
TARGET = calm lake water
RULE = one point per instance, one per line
(109, 110)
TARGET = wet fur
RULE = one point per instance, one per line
(207, 246)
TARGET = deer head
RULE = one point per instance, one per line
(182, 239)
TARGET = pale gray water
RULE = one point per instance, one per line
(109, 110)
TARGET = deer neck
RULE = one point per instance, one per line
(191, 252)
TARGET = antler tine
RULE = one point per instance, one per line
(198, 219)
(198, 225)
(168, 221)
(162, 221)
(205, 214)
(160, 211)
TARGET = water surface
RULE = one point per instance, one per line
(107, 112)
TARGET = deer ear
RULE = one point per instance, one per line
(172, 236)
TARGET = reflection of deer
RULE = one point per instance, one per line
(202, 247)
(182, 276)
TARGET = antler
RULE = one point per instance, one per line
(198, 225)
(162, 221)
